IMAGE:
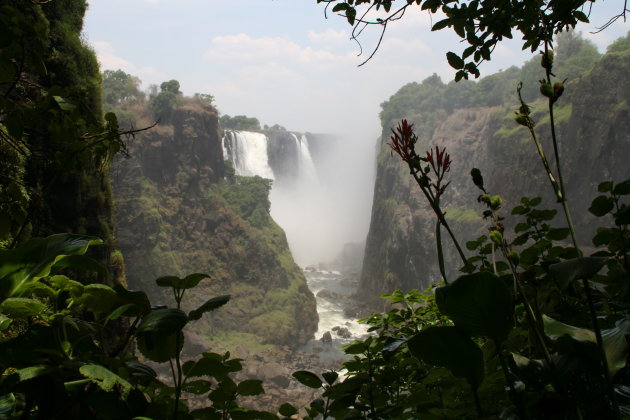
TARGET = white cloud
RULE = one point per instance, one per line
(329, 36)
(109, 60)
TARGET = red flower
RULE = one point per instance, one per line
(403, 140)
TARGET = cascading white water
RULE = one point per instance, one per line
(248, 152)
(307, 172)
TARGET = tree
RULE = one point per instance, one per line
(119, 87)
(239, 122)
(163, 103)
(480, 24)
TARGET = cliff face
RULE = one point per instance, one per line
(594, 135)
(176, 215)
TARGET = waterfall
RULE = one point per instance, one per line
(248, 152)
(305, 161)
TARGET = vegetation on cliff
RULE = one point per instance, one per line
(180, 209)
(474, 120)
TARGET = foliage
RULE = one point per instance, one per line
(55, 145)
(532, 328)
(163, 103)
(54, 358)
(482, 25)
(239, 122)
(120, 87)
(249, 196)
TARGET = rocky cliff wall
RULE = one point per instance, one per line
(594, 133)
(174, 219)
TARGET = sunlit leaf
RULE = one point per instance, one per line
(22, 307)
(106, 379)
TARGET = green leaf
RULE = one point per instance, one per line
(5, 322)
(206, 366)
(441, 25)
(137, 298)
(198, 387)
(209, 305)
(449, 347)
(22, 307)
(250, 387)
(623, 216)
(576, 269)
(330, 377)
(36, 258)
(601, 205)
(558, 234)
(479, 303)
(82, 262)
(97, 298)
(454, 60)
(187, 282)
(357, 347)
(163, 321)
(579, 15)
(606, 186)
(623, 188)
(160, 347)
(287, 410)
(351, 15)
(106, 379)
(615, 345)
(308, 378)
(35, 371)
(340, 7)
(64, 104)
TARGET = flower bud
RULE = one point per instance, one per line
(546, 90)
(547, 60)
(514, 257)
(523, 120)
(496, 237)
(496, 202)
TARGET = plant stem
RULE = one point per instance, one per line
(477, 402)
(438, 212)
(438, 239)
(600, 345)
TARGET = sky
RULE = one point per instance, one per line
(284, 62)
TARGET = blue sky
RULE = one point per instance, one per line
(281, 60)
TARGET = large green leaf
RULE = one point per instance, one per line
(615, 345)
(479, 303)
(209, 305)
(160, 347)
(21, 307)
(163, 321)
(106, 379)
(449, 347)
(97, 298)
(206, 366)
(187, 282)
(250, 387)
(308, 378)
(36, 258)
(576, 269)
